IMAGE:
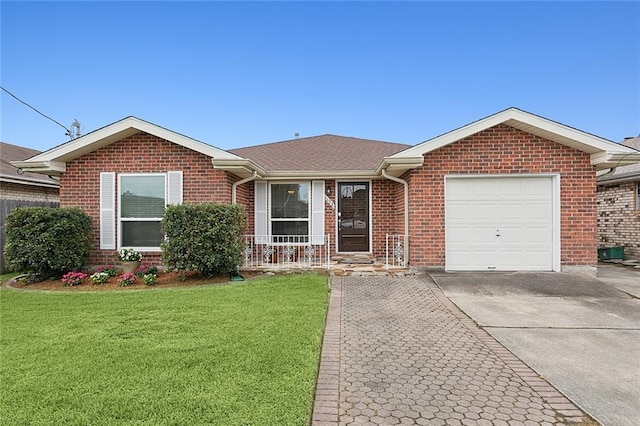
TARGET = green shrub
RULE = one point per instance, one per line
(100, 277)
(47, 242)
(110, 270)
(150, 279)
(126, 280)
(203, 237)
(146, 269)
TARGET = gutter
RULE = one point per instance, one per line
(406, 211)
(234, 187)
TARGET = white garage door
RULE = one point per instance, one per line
(499, 223)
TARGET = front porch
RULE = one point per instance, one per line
(283, 253)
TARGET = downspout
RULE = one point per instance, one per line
(234, 187)
(406, 211)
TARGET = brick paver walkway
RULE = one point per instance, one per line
(397, 351)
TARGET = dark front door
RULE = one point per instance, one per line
(353, 216)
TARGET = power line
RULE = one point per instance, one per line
(36, 110)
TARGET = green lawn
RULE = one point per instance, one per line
(242, 354)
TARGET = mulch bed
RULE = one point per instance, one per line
(165, 280)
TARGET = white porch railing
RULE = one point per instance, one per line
(397, 250)
(287, 251)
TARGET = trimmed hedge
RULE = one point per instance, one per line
(47, 242)
(203, 237)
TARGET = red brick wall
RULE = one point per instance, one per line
(387, 213)
(504, 150)
(140, 153)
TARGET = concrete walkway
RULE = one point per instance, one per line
(397, 351)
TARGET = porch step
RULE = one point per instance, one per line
(357, 259)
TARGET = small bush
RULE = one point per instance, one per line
(100, 277)
(111, 271)
(126, 280)
(203, 237)
(150, 279)
(71, 279)
(146, 270)
(47, 242)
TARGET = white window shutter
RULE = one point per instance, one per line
(107, 211)
(317, 212)
(174, 188)
(261, 228)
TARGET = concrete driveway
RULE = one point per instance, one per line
(579, 332)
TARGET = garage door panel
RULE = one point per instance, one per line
(459, 191)
(484, 189)
(537, 189)
(541, 236)
(482, 236)
(509, 235)
(483, 211)
(509, 212)
(459, 234)
(503, 223)
(459, 211)
(539, 212)
(508, 188)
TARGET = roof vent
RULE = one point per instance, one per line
(296, 135)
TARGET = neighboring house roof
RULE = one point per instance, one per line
(604, 153)
(9, 173)
(318, 154)
(624, 173)
(53, 161)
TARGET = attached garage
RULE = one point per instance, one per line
(502, 223)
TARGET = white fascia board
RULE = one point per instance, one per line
(245, 167)
(237, 164)
(51, 168)
(320, 174)
(399, 166)
(525, 121)
(122, 129)
(608, 159)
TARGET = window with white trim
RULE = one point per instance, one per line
(289, 210)
(141, 202)
(638, 195)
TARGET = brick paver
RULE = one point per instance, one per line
(397, 351)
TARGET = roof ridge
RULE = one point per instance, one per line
(315, 137)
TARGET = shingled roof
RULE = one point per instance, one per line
(9, 173)
(318, 153)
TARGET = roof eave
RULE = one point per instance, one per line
(49, 168)
(320, 174)
(29, 181)
(632, 177)
(398, 166)
(240, 167)
(609, 159)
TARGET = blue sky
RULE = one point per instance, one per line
(234, 74)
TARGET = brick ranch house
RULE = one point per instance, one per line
(619, 206)
(510, 192)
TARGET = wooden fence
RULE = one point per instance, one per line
(6, 207)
